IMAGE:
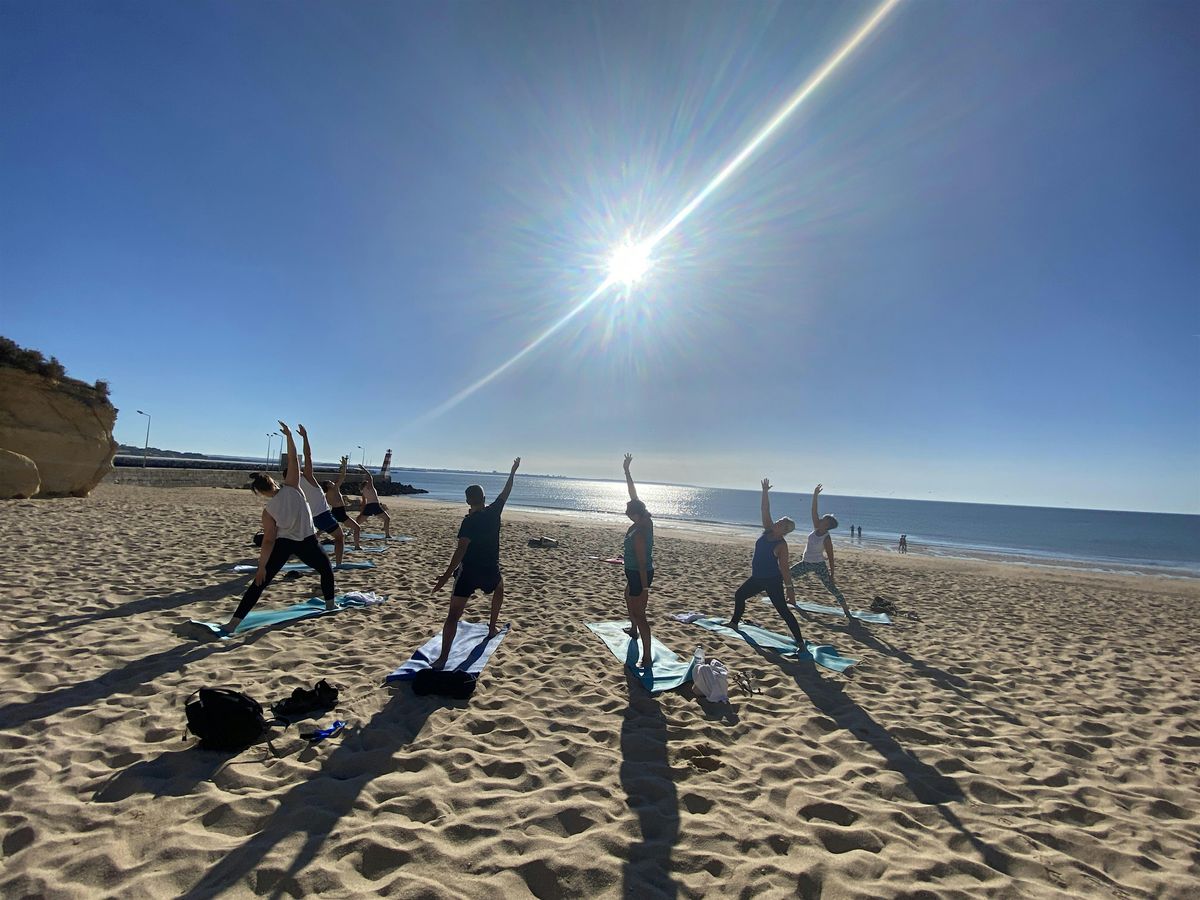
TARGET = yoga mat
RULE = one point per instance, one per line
(329, 548)
(469, 653)
(612, 561)
(667, 671)
(877, 618)
(258, 618)
(399, 538)
(301, 567)
(822, 654)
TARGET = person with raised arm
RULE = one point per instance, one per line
(819, 546)
(769, 572)
(337, 503)
(639, 566)
(317, 504)
(288, 531)
(475, 562)
(371, 505)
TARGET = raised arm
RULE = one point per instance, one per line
(503, 497)
(629, 478)
(342, 472)
(766, 505)
(292, 475)
(307, 454)
(816, 516)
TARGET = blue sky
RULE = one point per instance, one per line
(965, 269)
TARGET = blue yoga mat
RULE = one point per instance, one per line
(876, 618)
(329, 548)
(308, 609)
(301, 567)
(667, 671)
(822, 654)
(469, 653)
(399, 538)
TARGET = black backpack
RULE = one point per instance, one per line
(224, 719)
(459, 685)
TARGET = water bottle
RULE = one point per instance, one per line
(697, 656)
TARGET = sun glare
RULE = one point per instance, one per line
(628, 264)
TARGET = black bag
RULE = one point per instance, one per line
(459, 685)
(224, 719)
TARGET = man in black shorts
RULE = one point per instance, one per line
(476, 561)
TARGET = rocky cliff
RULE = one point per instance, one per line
(63, 426)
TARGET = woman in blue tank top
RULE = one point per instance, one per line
(769, 572)
(639, 566)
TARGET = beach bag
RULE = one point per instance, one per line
(459, 685)
(224, 719)
(710, 680)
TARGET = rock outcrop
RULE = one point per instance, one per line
(19, 477)
(64, 427)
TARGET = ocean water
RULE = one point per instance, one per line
(1096, 538)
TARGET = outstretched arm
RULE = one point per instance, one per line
(781, 555)
(342, 472)
(292, 475)
(503, 498)
(766, 505)
(307, 454)
(816, 516)
(629, 478)
(829, 553)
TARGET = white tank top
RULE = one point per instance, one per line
(291, 514)
(814, 550)
(317, 503)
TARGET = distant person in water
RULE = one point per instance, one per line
(337, 503)
(639, 566)
(818, 548)
(371, 504)
(288, 531)
(476, 561)
(322, 518)
(769, 573)
(904, 543)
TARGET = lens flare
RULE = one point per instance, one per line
(630, 262)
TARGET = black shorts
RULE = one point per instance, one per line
(634, 577)
(372, 509)
(339, 513)
(326, 522)
(468, 582)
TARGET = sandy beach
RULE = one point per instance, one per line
(1026, 733)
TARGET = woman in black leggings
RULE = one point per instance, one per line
(769, 572)
(288, 531)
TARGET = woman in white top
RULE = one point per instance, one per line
(820, 545)
(287, 531)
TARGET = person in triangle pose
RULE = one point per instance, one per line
(288, 531)
(769, 573)
(475, 563)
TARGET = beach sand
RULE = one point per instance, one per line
(1033, 733)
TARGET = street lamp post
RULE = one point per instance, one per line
(270, 440)
(146, 448)
(363, 459)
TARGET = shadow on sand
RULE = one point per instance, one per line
(649, 784)
(136, 608)
(310, 809)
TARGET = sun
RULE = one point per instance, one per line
(628, 264)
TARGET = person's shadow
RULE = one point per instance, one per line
(648, 782)
(154, 604)
(859, 632)
(926, 783)
(311, 809)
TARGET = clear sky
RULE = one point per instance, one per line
(967, 268)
